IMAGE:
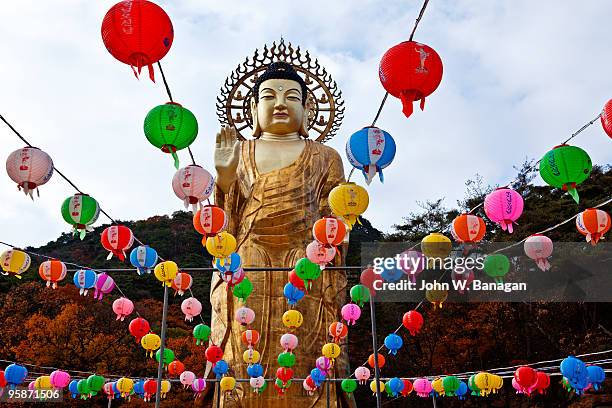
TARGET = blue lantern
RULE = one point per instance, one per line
(73, 387)
(228, 265)
(370, 150)
(255, 370)
(393, 342)
(392, 275)
(84, 280)
(220, 368)
(15, 374)
(596, 376)
(139, 388)
(292, 293)
(116, 390)
(317, 376)
(396, 386)
(143, 258)
(462, 390)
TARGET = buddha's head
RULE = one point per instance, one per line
(279, 104)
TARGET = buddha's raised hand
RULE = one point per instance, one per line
(227, 151)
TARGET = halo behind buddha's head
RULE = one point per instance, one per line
(280, 70)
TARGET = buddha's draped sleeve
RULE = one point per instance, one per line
(334, 177)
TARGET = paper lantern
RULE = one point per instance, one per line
(15, 262)
(59, 379)
(15, 374)
(484, 382)
(396, 386)
(182, 283)
(393, 343)
(451, 385)
(83, 388)
(52, 271)
(526, 377)
(317, 376)
(251, 356)
(436, 297)
(73, 388)
(422, 386)
(227, 384)
(117, 239)
(286, 359)
(296, 281)
(258, 383)
(95, 383)
(143, 258)
(165, 272)
(245, 316)
(243, 289)
(544, 381)
(104, 285)
(362, 374)
(308, 271)
(150, 342)
(187, 378)
(198, 385)
(595, 373)
(191, 307)
(255, 370)
(42, 383)
(413, 321)
(606, 118)
(436, 247)
(123, 307)
(210, 220)
(80, 211)
(125, 386)
(338, 331)
(30, 168)
(351, 313)
(407, 387)
(289, 342)
(349, 386)
(221, 245)
(539, 247)
(380, 359)
(331, 351)
(468, 228)
(377, 386)
(84, 279)
(360, 294)
(410, 71)
(233, 279)
(320, 254)
(168, 356)
(392, 274)
(150, 389)
(213, 354)
(462, 390)
(292, 294)
(412, 263)
(139, 327)
(193, 185)
(201, 333)
(165, 388)
(593, 224)
(503, 206)
(370, 150)
(108, 389)
(292, 319)
(171, 128)
(250, 338)
(220, 368)
(371, 280)
(497, 266)
(463, 276)
(138, 33)
(229, 264)
(348, 201)
(324, 364)
(329, 231)
(565, 167)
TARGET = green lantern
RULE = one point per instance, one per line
(262, 388)
(201, 333)
(168, 356)
(388, 389)
(349, 385)
(307, 271)
(83, 388)
(170, 127)
(497, 266)
(565, 167)
(360, 294)
(451, 385)
(279, 384)
(243, 290)
(95, 384)
(80, 211)
(286, 359)
(472, 385)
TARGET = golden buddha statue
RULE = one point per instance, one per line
(273, 189)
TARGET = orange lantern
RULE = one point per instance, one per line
(593, 224)
(182, 283)
(338, 331)
(210, 220)
(329, 231)
(52, 271)
(381, 360)
(176, 368)
(468, 228)
(250, 338)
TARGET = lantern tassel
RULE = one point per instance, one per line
(109, 256)
(543, 264)
(571, 190)
(407, 97)
(176, 159)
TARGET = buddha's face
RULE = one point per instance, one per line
(280, 110)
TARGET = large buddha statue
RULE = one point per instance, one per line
(273, 189)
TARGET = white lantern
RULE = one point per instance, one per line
(193, 184)
(29, 168)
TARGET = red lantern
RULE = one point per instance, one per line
(150, 389)
(369, 278)
(329, 231)
(410, 71)
(468, 228)
(606, 118)
(296, 281)
(311, 382)
(338, 331)
(213, 354)
(542, 383)
(407, 387)
(176, 368)
(284, 374)
(116, 239)
(526, 377)
(138, 328)
(413, 321)
(210, 220)
(138, 33)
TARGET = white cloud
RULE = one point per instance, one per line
(519, 77)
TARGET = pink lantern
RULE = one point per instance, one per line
(503, 206)
(59, 379)
(191, 307)
(32, 385)
(29, 168)
(289, 342)
(362, 374)
(104, 285)
(323, 364)
(309, 386)
(193, 184)
(186, 378)
(606, 118)
(232, 279)
(412, 263)
(245, 316)
(422, 387)
(539, 247)
(517, 387)
(462, 274)
(351, 313)
(320, 254)
(198, 386)
(257, 382)
(123, 307)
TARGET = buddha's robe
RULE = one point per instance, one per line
(271, 215)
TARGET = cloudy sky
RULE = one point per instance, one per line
(519, 77)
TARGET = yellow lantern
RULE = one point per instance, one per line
(497, 383)
(166, 271)
(438, 386)
(292, 319)
(436, 247)
(125, 386)
(331, 351)
(165, 387)
(15, 262)
(43, 383)
(221, 245)
(348, 201)
(436, 297)
(381, 386)
(227, 384)
(484, 382)
(150, 342)
(251, 356)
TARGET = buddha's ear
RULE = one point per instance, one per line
(256, 127)
(304, 126)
